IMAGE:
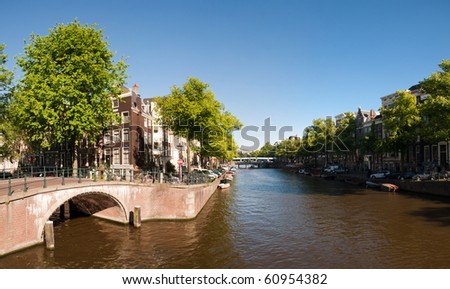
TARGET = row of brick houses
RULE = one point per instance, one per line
(420, 157)
(139, 141)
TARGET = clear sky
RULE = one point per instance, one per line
(290, 61)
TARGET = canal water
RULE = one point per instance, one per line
(268, 219)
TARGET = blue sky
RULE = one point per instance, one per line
(290, 61)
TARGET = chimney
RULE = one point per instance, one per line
(136, 88)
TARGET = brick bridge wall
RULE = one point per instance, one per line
(23, 215)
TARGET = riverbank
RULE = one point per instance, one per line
(435, 188)
(425, 187)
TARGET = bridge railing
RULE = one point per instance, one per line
(27, 178)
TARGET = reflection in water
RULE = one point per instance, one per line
(268, 219)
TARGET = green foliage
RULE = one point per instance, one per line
(288, 148)
(7, 134)
(371, 143)
(320, 136)
(267, 150)
(436, 109)
(402, 119)
(401, 122)
(193, 112)
(345, 133)
(69, 79)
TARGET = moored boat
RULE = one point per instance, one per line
(224, 184)
(372, 185)
(389, 187)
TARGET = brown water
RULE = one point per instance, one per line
(268, 219)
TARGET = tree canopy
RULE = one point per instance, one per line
(436, 109)
(401, 122)
(191, 111)
(69, 78)
(6, 133)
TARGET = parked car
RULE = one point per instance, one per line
(400, 176)
(340, 170)
(422, 177)
(208, 173)
(330, 169)
(379, 174)
(407, 175)
(393, 175)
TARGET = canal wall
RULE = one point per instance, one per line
(24, 214)
(432, 188)
(164, 202)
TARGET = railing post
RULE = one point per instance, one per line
(49, 235)
(9, 187)
(137, 217)
(45, 178)
(79, 176)
(25, 189)
(62, 180)
(131, 176)
(95, 176)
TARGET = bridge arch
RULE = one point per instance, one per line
(72, 194)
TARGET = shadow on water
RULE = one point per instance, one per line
(436, 215)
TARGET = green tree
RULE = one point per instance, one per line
(345, 136)
(7, 134)
(191, 111)
(217, 140)
(69, 79)
(436, 109)
(324, 135)
(401, 122)
(288, 149)
(267, 150)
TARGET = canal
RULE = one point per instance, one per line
(268, 219)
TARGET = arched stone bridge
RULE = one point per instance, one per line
(23, 213)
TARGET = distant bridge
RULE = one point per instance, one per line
(254, 161)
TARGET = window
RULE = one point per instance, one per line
(115, 103)
(156, 128)
(125, 156)
(116, 156)
(156, 145)
(426, 153)
(125, 117)
(434, 153)
(126, 135)
(107, 137)
(116, 136)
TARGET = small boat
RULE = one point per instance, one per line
(389, 187)
(224, 184)
(372, 185)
